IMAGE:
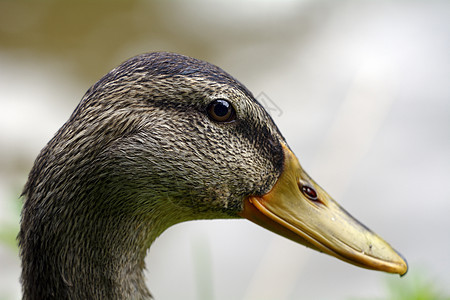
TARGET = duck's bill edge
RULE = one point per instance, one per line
(324, 226)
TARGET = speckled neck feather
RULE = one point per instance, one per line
(138, 155)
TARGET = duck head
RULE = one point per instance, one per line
(162, 139)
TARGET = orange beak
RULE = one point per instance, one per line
(299, 209)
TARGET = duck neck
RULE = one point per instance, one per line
(84, 252)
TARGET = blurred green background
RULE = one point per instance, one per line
(360, 90)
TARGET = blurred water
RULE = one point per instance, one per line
(364, 93)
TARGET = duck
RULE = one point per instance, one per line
(162, 139)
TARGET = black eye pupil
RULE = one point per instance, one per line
(221, 108)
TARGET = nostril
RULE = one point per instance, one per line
(308, 191)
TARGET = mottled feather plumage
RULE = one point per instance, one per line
(138, 155)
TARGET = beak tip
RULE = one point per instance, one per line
(406, 267)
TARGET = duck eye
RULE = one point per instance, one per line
(309, 192)
(221, 110)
